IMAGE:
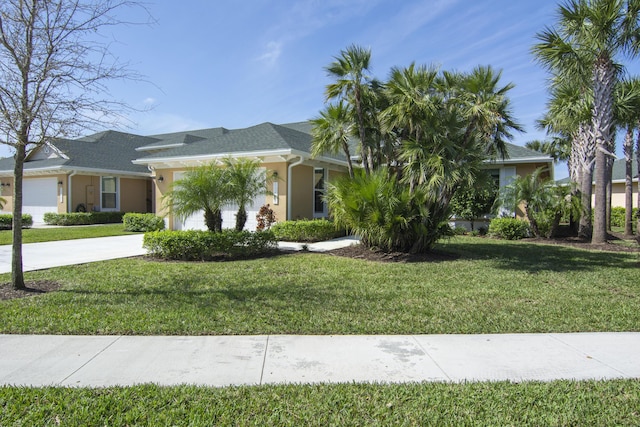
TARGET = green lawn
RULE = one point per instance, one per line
(35, 235)
(560, 403)
(487, 286)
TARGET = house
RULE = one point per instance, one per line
(86, 174)
(120, 171)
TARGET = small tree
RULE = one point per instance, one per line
(53, 70)
(246, 182)
(205, 188)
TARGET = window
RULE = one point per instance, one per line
(319, 207)
(109, 192)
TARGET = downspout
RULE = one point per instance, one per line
(69, 205)
(289, 185)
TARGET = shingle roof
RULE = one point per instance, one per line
(260, 138)
(109, 151)
(619, 170)
(182, 138)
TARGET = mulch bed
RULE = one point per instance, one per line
(36, 287)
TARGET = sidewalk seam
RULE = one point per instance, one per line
(415, 339)
(587, 355)
(91, 360)
(264, 360)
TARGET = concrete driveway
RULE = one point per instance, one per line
(38, 256)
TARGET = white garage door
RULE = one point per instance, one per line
(39, 197)
(196, 221)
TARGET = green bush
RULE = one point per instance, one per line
(509, 228)
(6, 221)
(315, 230)
(459, 230)
(618, 214)
(83, 218)
(195, 245)
(142, 222)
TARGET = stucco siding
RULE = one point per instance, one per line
(302, 192)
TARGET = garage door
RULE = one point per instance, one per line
(196, 221)
(39, 197)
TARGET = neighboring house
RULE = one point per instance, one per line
(132, 173)
(520, 162)
(86, 174)
(618, 184)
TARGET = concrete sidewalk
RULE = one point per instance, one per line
(38, 256)
(98, 361)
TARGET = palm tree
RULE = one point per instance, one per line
(246, 181)
(568, 117)
(591, 35)
(205, 188)
(627, 115)
(332, 132)
(350, 70)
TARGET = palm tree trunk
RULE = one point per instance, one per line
(586, 190)
(638, 186)
(241, 218)
(628, 182)
(345, 148)
(603, 79)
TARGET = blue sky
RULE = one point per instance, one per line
(236, 63)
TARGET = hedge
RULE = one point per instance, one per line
(306, 230)
(509, 228)
(142, 222)
(195, 245)
(82, 218)
(618, 215)
(6, 221)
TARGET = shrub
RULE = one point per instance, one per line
(265, 217)
(142, 222)
(196, 245)
(509, 228)
(618, 214)
(459, 230)
(6, 221)
(305, 230)
(82, 218)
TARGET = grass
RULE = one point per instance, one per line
(487, 286)
(35, 235)
(559, 403)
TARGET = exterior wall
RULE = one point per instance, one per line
(617, 195)
(280, 208)
(85, 189)
(135, 195)
(526, 169)
(302, 192)
(6, 192)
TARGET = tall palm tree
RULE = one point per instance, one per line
(568, 116)
(350, 70)
(591, 35)
(332, 132)
(627, 111)
(246, 181)
(205, 188)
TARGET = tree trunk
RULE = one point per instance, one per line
(603, 80)
(17, 273)
(241, 218)
(347, 153)
(638, 186)
(628, 183)
(586, 190)
(609, 191)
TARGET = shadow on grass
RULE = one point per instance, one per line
(535, 258)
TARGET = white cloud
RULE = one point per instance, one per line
(149, 101)
(272, 53)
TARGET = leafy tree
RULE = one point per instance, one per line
(205, 188)
(245, 182)
(53, 71)
(471, 202)
(591, 35)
